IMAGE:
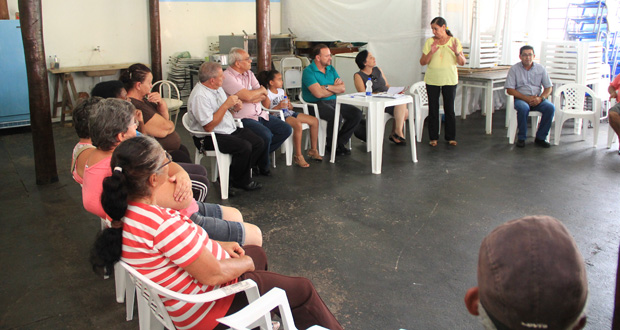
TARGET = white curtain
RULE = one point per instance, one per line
(395, 30)
(392, 30)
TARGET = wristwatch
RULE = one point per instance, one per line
(327, 89)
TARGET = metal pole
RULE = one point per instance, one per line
(31, 22)
(263, 35)
(155, 40)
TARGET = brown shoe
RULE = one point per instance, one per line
(314, 154)
(300, 161)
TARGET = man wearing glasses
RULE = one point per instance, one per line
(239, 80)
(524, 82)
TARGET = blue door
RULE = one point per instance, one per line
(14, 105)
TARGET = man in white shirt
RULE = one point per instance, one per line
(210, 110)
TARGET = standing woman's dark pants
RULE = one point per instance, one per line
(449, 93)
(307, 307)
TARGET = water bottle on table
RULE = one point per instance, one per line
(368, 88)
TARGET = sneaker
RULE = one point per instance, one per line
(520, 143)
(542, 143)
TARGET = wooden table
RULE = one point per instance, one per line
(489, 80)
(64, 80)
(376, 106)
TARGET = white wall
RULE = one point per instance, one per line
(73, 29)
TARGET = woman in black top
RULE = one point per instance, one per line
(369, 69)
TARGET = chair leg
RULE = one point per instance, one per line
(611, 136)
(596, 124)
(120, 282)
(288, 150)
(130, 295)
(224, 171)
(558, 130)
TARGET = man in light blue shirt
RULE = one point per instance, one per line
(320, 84)
(524, 82)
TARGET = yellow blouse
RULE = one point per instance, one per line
(441, 70)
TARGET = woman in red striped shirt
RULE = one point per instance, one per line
(172, 251)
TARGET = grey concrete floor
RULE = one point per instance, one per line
(391, 251)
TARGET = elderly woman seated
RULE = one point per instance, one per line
(111, 122)
(193, 262)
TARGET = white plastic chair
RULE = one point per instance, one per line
(165, 88)
(219, 161)
(512, 119)
(574, 107)
(420, 106)
(287, 146)
(305, 106)
(152, 313)
(252, 315)
(291, 75)
(611, 134)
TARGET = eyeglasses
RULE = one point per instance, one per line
(527, 55)
(249, 59)
(166, 162)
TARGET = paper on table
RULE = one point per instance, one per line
(395, 90)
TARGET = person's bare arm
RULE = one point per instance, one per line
(164, 197)
(252, 96)
(183, 187)
(158, 126)
(359, 83)
(612, 92)
(162, 107)
(210, 271)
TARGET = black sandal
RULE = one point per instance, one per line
(394, 138)
(397, 140)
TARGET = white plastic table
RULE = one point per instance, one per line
(490, 81)
(376, 106)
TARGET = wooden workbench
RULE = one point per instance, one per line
(64, 78)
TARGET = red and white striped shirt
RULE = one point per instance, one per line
(159, 242)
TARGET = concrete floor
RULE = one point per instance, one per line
(390, 251)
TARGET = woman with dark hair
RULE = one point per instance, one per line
(171, 244)
(111, 122)
(138, 81)
(110, 89)
(441, 53)
(84, 147)
(369, 69)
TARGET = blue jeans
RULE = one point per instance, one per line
(209, 217)
(273, 132)
(523, 109)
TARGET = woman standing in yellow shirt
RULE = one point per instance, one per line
(442, 53)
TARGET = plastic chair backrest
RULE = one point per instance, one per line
(419, 90)
(165, 88)
(574, 97)
(292, 79)
(291, 63)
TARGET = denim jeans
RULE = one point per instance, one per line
(273, 132)
(523, 109)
